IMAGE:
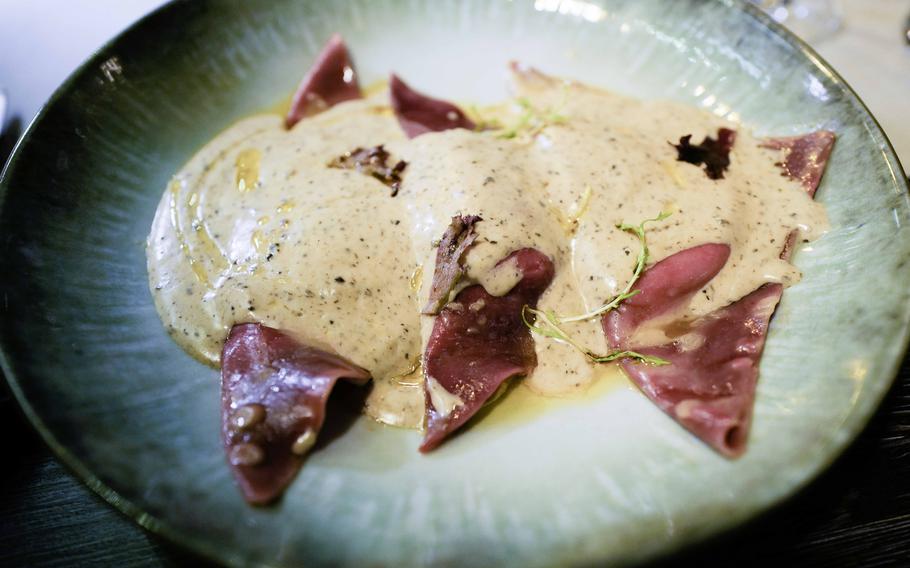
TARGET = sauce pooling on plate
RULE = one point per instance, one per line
(263, 226)
(398, 239)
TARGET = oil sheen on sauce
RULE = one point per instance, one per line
(257, 227)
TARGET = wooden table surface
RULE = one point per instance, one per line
(856, 514)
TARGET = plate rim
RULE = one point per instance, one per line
(211, 552)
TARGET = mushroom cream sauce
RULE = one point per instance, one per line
(257, 227)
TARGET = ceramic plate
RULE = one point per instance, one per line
(607, 478)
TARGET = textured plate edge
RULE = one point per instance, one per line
(76, 467)
(855, 421)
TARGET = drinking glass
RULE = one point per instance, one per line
(812, 20)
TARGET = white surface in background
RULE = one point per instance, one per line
(870, 54)
(43, 41)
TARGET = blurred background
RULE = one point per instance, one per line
(42, 41)
(857, 514)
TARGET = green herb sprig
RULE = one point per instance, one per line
(532, 120)
(482, 122)
(644, 254)
(551, 329)
(548, 324)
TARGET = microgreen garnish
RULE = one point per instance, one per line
(482, 122)
(532, 120)
(547, 323)
(643, 256)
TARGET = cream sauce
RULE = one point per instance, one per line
(443, 401)
(257, 228)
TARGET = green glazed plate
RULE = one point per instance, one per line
(606, 479)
